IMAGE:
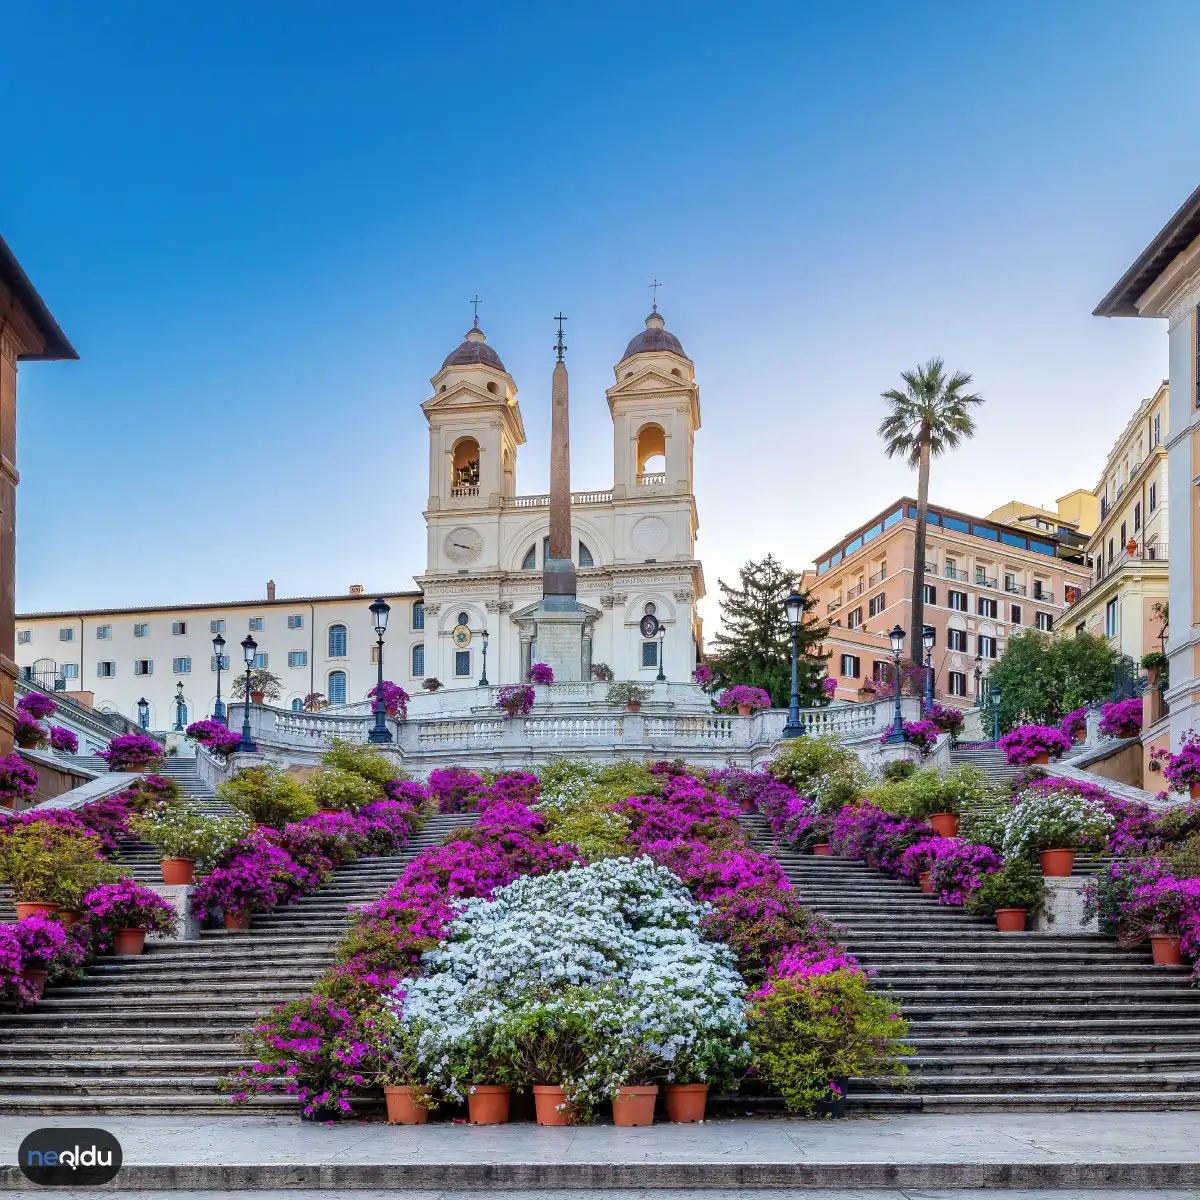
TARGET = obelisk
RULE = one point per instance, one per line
(559, 617)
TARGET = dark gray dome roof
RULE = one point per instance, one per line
(654, 337)
(474, 352)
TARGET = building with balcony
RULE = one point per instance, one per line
(1130, 548)
(985, 579)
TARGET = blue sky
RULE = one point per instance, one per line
(260, 226)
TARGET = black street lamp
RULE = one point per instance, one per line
(380, 732)
(978, 680)
(246, 745)
(995, 694)
(662, 633)
(483, 680)
(896, 733)
(793, 608)
(179, 706)
(143, 707)
(927, 637)
(219, 651)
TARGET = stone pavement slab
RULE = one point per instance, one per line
(689, 1194)
(1126, 1151)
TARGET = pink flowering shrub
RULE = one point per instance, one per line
(1122, 719)
(703, 675)
(112, 907)
(395, 699)
(958, 871)
(948, 720)
(743, 695)
(922, 734)
(36, 706)
(515, 699)
(18, 780)
(1023, 744)
(541, 673)
(1182, 770)
(453, 788)
(214, 735)
(63, 740)
(920, 856)
(131, 752)
(1074, 722)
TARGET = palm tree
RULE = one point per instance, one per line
(930, 416)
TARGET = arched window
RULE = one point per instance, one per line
(585, 556)
(337, 687)
(418, 661)
(418, 614)
(529, 563)
(297, 705)
(464, 618)
(651, 454)
(337, 641)
(464, 468)
(182, 711)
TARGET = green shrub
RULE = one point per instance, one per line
(901, 768)
(347, 791)
(1018, 884)
(267, 796)
(366, 761)
(931, 792)
(806, 1032)
(597, 832)
(50, 865)
(822, 769)
(1184, 858)
(181, 831)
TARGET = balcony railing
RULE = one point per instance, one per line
(879, 577)
(543, 501)
(833, 605)
(1016, 589)
(1043, 595)
(652, 479)
(854, 592)
(467, 489)
(952, 573)
(982, 580)
(931, 568)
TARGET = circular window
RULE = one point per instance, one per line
(464, 618)
(650, 609)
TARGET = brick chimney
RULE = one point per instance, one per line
(270, 589)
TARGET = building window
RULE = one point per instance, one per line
(1045, 622)
(585, 556)
(106, 670)
(1157, 430)
(297, 705)
(1110, 619)
(70, 670)
(876, 604)
(987, 646)
(104, 632)
(1015, 616)
(462, 663)
(851, 666)
(958, 601)
(337, 642)
(337, 687)
(987, 607)
(143, 666)
(464, 618)
(375, 655)
(181, 666)
(930, 594)
(418, 614)
(957, 683)
(297, 658)
(66, 635)
(256, 624)
(649, 654)
(529, 562)
(141, 630)
(1124, 534)
(881, 671)
(216, 626)
(260, 662)
(1110, 552)
(418, 662)
(295, 620)
(1153, 496)
(179, 628)
(24, 637)
(224, 662)
(854, 618)
(956, 639)
(1137, 515)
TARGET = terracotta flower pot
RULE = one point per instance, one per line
(821, 848)
(747, 806)
(944, 824)
(926, 878)
(1194, 791)
(873, 861)
(257, 697)
(685, 1101)
(1079, 735)
(27, 743)
(36, 978)
(129, 941)
(402, 1109)
(1010, 920)
(743, 710)
(634, 706)
(69, 916)
(1166, 949)
(634, 1105)
(237, 922)
(34, 908)
(550, 1103)
(178, 870)
(1041, 758)
(1057, 863)
(488, 1104)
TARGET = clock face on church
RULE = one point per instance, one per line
(463, 545)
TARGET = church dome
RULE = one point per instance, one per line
(654, 337)
(474, 352)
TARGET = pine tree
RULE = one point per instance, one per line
(754, 646)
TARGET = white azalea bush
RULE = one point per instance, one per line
(592, 979)
(1052, 821)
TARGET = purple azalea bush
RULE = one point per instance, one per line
(922, 734)
(214, 735)
(743, 695)
(36, 706)
(948, 720)
(703, 675)
(515, 699)
(131, 752)
(958, 870)
(18, 780)
(395, 699)
(541, 673)
(1182, 770)
(454, 789)
(1075, 722)
(63, 740)
(1122, 719)
(1023, 744)
(112, 907)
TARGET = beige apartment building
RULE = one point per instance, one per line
(985, 579)
(1130, 548)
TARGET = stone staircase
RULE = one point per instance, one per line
(990, 761)
(1008, 1021)
(152, 1034)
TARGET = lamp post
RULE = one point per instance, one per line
(896, 733)
(483, 680)
(380, 733)
(179, 706)
(662, 633)
(793, 608)
(219, 651)
(978, 680)
(143, 707)
(927, 637)
(246, 745)
(995, 694)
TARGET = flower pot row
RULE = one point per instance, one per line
(490, 1104)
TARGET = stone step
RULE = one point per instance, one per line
(1122, 1081)
(1043, 1064)
(106, 1104)
(65, 1067)
(62, 1050)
